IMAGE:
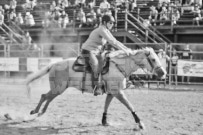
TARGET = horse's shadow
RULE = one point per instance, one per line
(8, 129)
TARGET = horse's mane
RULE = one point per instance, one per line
(122, 54)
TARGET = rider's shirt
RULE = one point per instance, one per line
(99, 38)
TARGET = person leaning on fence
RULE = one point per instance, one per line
(92, 48)
(174, 69)
(186, 55)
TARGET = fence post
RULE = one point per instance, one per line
(126, 18)
(170, 54)
(146, 35)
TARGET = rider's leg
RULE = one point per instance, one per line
(94, 63)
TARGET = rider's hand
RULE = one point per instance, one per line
(128, 52)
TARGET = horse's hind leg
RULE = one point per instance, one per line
(36, 110)
(50, 97)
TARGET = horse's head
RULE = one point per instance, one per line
(148, 59)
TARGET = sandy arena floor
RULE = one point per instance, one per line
(73, 113)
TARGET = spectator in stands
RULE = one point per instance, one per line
(175, 16)
(104, 6)
(153, 15)
(163, 15)
(59, 6)
(197, 14)
(120, 4)
(33, 3)
(1, 18)
(12, 16)
(159, 9)
(27, 5)
(13, 4)
(133, 5)
(64, 19)
(99, 15)
(27, 40)
(65, 4)
(53, 7)
(186, 55)
(6, 12)
(29, 19)
(81, 17)
(47, 19)
(91, 18)
(174, 67)
(91, 4)
(187, 6)
(80, 3)
(19, 19)
(1, 9)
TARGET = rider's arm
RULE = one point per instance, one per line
(112, 40)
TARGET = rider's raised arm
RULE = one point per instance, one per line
(106, 34)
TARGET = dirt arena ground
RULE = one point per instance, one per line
(73, 113)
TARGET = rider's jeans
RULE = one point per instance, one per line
(91, 57)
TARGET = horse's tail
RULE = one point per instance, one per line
(35, 76)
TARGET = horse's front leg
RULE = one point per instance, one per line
(109, 98)
(123, 99)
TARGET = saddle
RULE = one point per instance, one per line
(81, 66)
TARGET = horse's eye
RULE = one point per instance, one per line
(153, 60)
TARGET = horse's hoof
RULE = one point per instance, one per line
(141, 125)
(105, 124)
(32, 112)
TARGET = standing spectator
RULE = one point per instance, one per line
(19, 19)
(13, 4)
(197, 15)
(91, 18)
(174, 69)
(29, 19)
(153, 15)
(81, 17)
(1, 18)
(186, 55)
(104, 6)
(164, 58)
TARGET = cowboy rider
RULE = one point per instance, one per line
(92, 48)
